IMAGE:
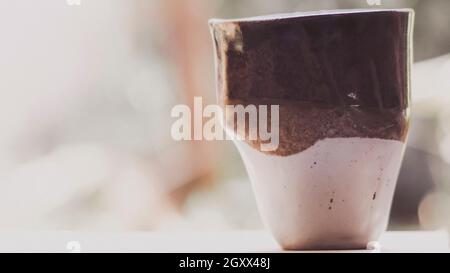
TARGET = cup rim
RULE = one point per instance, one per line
(304, 14)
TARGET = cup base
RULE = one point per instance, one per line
(336, 194)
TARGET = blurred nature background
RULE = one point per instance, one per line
(85, 98)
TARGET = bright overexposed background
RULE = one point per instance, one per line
(85, 98)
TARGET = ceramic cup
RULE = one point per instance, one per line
(341, 82)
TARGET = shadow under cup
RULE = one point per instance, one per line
(341, 80)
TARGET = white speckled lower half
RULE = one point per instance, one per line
(336, 194)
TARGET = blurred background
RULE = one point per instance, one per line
(85, 97)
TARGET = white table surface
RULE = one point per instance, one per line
(234, 241)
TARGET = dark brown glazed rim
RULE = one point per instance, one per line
(341, 73)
